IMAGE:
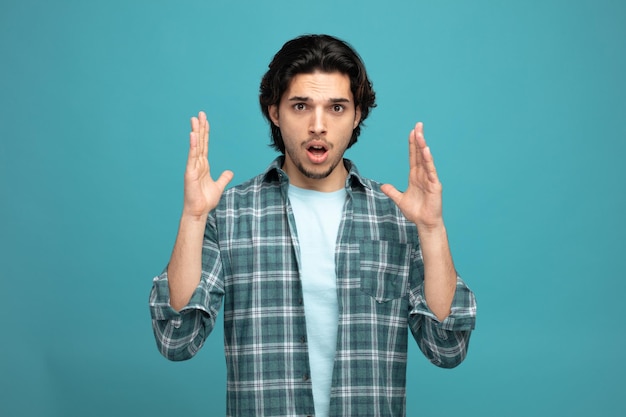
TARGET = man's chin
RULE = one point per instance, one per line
(315, 175)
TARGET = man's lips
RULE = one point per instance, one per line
(317, 151)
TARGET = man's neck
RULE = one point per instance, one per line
(335, 181)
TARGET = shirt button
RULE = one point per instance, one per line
(300, 301)
(303, 339)
(305, 377)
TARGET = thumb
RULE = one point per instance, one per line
(224, 179)
(391, 192)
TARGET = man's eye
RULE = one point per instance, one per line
(338, 108)
(299, 106)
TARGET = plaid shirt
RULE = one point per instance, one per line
(250, 262)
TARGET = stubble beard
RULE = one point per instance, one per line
(310, 174)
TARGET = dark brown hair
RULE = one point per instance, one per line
(305, 55)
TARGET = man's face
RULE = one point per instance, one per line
(316, 116)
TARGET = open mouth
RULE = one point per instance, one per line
(317, 149)
(317, 152)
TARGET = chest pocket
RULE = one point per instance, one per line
(385, 269)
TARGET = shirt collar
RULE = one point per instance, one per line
(274, 172)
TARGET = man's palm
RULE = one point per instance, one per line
(202, 193)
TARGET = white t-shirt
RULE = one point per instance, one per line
(317, 216)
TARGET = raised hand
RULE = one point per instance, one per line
(201, 193)
(421, 202)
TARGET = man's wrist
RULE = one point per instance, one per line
(191, 218)
(434, 229)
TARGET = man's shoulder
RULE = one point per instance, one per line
(270, 178)
(248, 186)
(371, 189)
(368, 186)
(261, 190)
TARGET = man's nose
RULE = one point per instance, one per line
(318, 122)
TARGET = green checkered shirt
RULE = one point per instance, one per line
(250, 263)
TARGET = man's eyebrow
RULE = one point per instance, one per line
(332, 100)
(298, 98)
(339, 100)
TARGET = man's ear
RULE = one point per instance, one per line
(357, 117)
(272, 110)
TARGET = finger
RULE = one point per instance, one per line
(195, 124)
(206, 138)
(429, 165)
(193, 150)
(420, 142)
(413, 151)
(416, 145)
(392, 192)
(425, 155)
(203, 133)
(419, 135)
(194, 133)
(224, 179)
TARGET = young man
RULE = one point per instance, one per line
(321, 271)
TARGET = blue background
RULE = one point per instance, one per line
(523, 104)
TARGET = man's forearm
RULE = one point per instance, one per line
(439, 272)
(185, 268)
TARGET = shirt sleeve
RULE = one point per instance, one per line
(445, 342)
(180, 334)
